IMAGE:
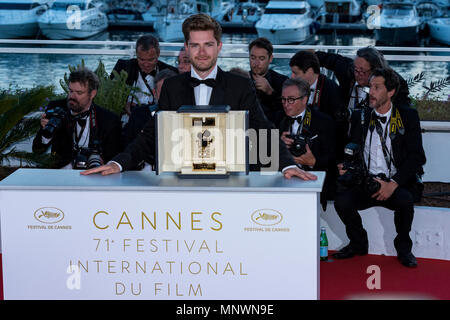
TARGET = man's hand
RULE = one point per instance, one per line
(386, 190)
(297, 172)
(128, 107)
(262, 84)
(287, 141)
(105, 170)
(44, 120)
(340, 167)
(306, 159)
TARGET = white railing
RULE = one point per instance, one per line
(127, 48)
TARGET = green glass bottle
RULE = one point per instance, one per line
(323, 245)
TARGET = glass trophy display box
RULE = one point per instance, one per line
(202, 141)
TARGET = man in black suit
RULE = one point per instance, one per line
(142, 114)
(84, 127)
(206, 84)
(390, 140)
(142, 70)
(308, 133)
(353, 76)
(325, 94)
(267, 82)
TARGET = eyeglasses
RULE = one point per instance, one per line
(290, 100)
(362, 72)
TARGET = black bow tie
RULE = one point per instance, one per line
(382, 119)
(152, 73)
(195, 82)
(293, 120)
(81, 118)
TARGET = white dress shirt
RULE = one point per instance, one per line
(203, 92)
(377, 161)
(296, 125)
(142, 96)
(312, 90)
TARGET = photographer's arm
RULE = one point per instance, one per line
(41, 144)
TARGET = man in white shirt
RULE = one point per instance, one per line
(205, 84)
(393, 157)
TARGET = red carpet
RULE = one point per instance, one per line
(347, 279)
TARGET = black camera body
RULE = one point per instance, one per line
(357, 174)
(298, 147)
(87, 158)
(354, 165)
(371, 185)
(56, 118)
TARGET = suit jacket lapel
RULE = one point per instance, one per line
(218, 92)
(187, 93)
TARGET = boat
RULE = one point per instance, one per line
(286, 22)
(239, 15)
(73, 19)
(399, 23)
(169, 26)
(19, 18)
(440, 30)
(341, 11)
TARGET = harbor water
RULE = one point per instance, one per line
(28, 70)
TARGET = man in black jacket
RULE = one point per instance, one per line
(267, 82)
(390, 141)
(325, 94)
(142, 70)
(309, 134)
(354, 74)
(79, 128)
(206, 84)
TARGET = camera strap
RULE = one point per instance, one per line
(306, 122)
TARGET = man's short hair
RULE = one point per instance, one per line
(305, 60)
(201, 22)
(164, 74)
(302, 85)
(374, 57)
(262, 43)
(85, 77)
(147, 42)
(391, 81)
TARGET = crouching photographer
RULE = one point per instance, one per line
(81, 134)
(309, 134)
(382, 168)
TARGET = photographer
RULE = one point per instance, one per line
(390, 161)
(142, 70)
(81, 134)
(309, 134)
(353, 76)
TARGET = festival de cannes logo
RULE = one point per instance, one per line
(266, 217)
(49, 215)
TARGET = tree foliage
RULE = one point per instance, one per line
(17, 123)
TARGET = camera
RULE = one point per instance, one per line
(371, 185)
(298, 147)
(87, 158)
(353, 163)
(56, 117)
(357, 174)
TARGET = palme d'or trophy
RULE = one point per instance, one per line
(202, 141)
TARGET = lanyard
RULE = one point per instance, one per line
(386, 153)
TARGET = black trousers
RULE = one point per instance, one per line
(347, 204)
